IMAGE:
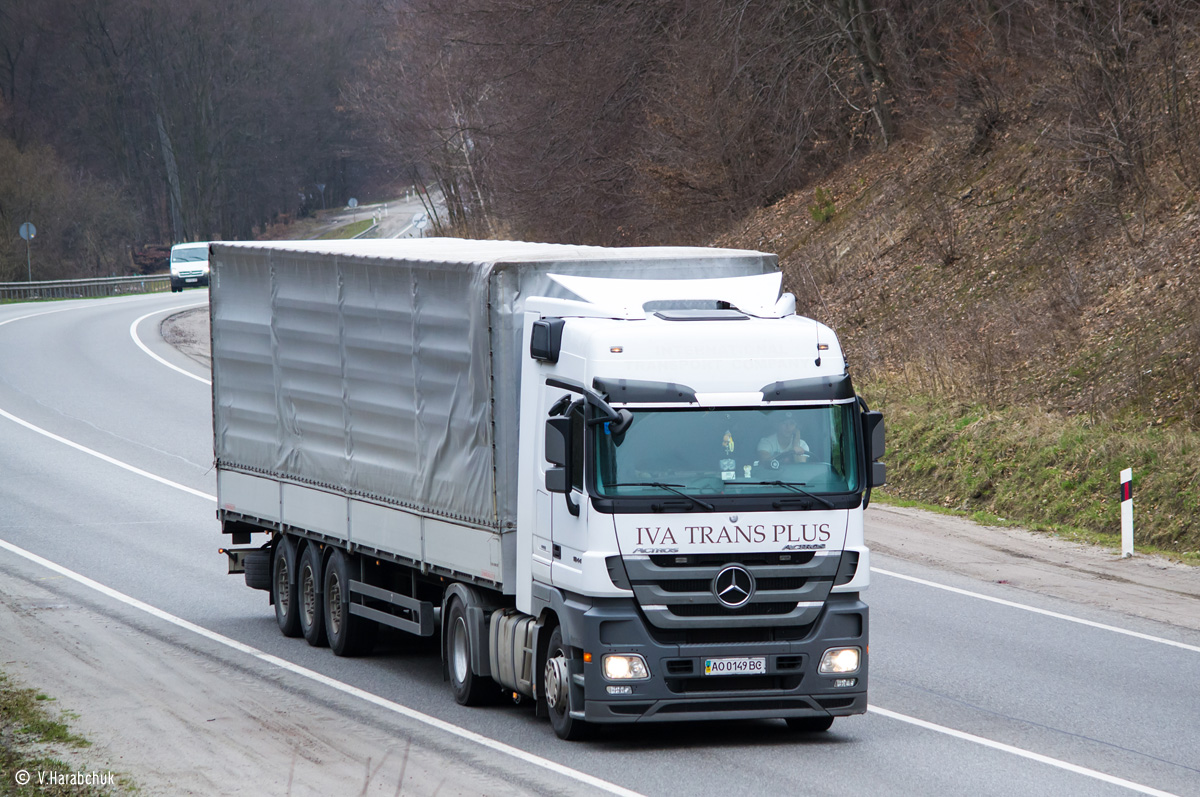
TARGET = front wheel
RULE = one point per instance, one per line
(557, 683)
(469, 689)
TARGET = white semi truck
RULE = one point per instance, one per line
(626, 483)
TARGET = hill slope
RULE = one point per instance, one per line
(1030, 327)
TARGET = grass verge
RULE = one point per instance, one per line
(349, 230)
(33, 740)
(1043, 470)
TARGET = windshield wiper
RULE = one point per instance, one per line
(795, 486)
(671, 488)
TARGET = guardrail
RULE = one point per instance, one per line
(83, 288)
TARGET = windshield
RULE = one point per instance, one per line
(779, 451)
(195, 255)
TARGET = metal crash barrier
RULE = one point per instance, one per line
(82, 288)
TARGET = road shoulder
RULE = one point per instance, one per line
(183, 717)
(1147, 586)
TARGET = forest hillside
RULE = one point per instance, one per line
(1030, 326)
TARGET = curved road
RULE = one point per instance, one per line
(979, 689)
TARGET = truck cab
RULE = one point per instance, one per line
(697, 570)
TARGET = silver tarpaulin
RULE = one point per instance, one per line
(390, 369)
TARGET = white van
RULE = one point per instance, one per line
(189, 265)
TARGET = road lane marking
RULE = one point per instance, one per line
(1017, 751)
(325, 680)
(133, 334)
(1046, 612)
(105, 457)
(35, 315)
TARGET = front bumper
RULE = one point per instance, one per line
(678, 690)
(188, 281)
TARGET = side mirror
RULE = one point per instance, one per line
(617, 428)
(558, 453)
(873, 436)
(557, 481)
(558, 440)
(545, 340)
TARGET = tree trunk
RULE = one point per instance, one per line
(174, 194)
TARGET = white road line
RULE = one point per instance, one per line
(35, 315)
(133, 334)
(105, 457)
(1017, 751)
(1024, 607)
(325, 680)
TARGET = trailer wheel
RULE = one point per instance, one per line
(283, 587)
(469, 689)
(809, 724)
(557, 682)
(349, 634)
(312, 608)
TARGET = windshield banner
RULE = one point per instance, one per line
(724, 532)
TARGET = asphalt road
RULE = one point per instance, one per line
(401, 217)
(106, 470)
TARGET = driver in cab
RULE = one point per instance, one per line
(785, 447)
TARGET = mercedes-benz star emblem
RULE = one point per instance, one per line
(733, 586)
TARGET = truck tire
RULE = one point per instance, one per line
(469, 689)
(557, 689)
(283, 587)
(312, 604)
(348, 634)
(257, 566)
(810, 724)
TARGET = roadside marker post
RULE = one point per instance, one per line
(1127, 513)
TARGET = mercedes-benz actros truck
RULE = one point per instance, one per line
(626, 484)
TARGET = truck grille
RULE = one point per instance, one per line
(676, 592)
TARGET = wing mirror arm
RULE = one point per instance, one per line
(620, 419)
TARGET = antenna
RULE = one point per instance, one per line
(819, 349)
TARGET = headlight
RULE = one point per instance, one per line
(625, 667)
(839, 660)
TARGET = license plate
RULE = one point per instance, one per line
(742, 665)
(192, 279)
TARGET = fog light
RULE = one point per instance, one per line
(844, 682)
(620, 690)
(625, 667)
(839, 660)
